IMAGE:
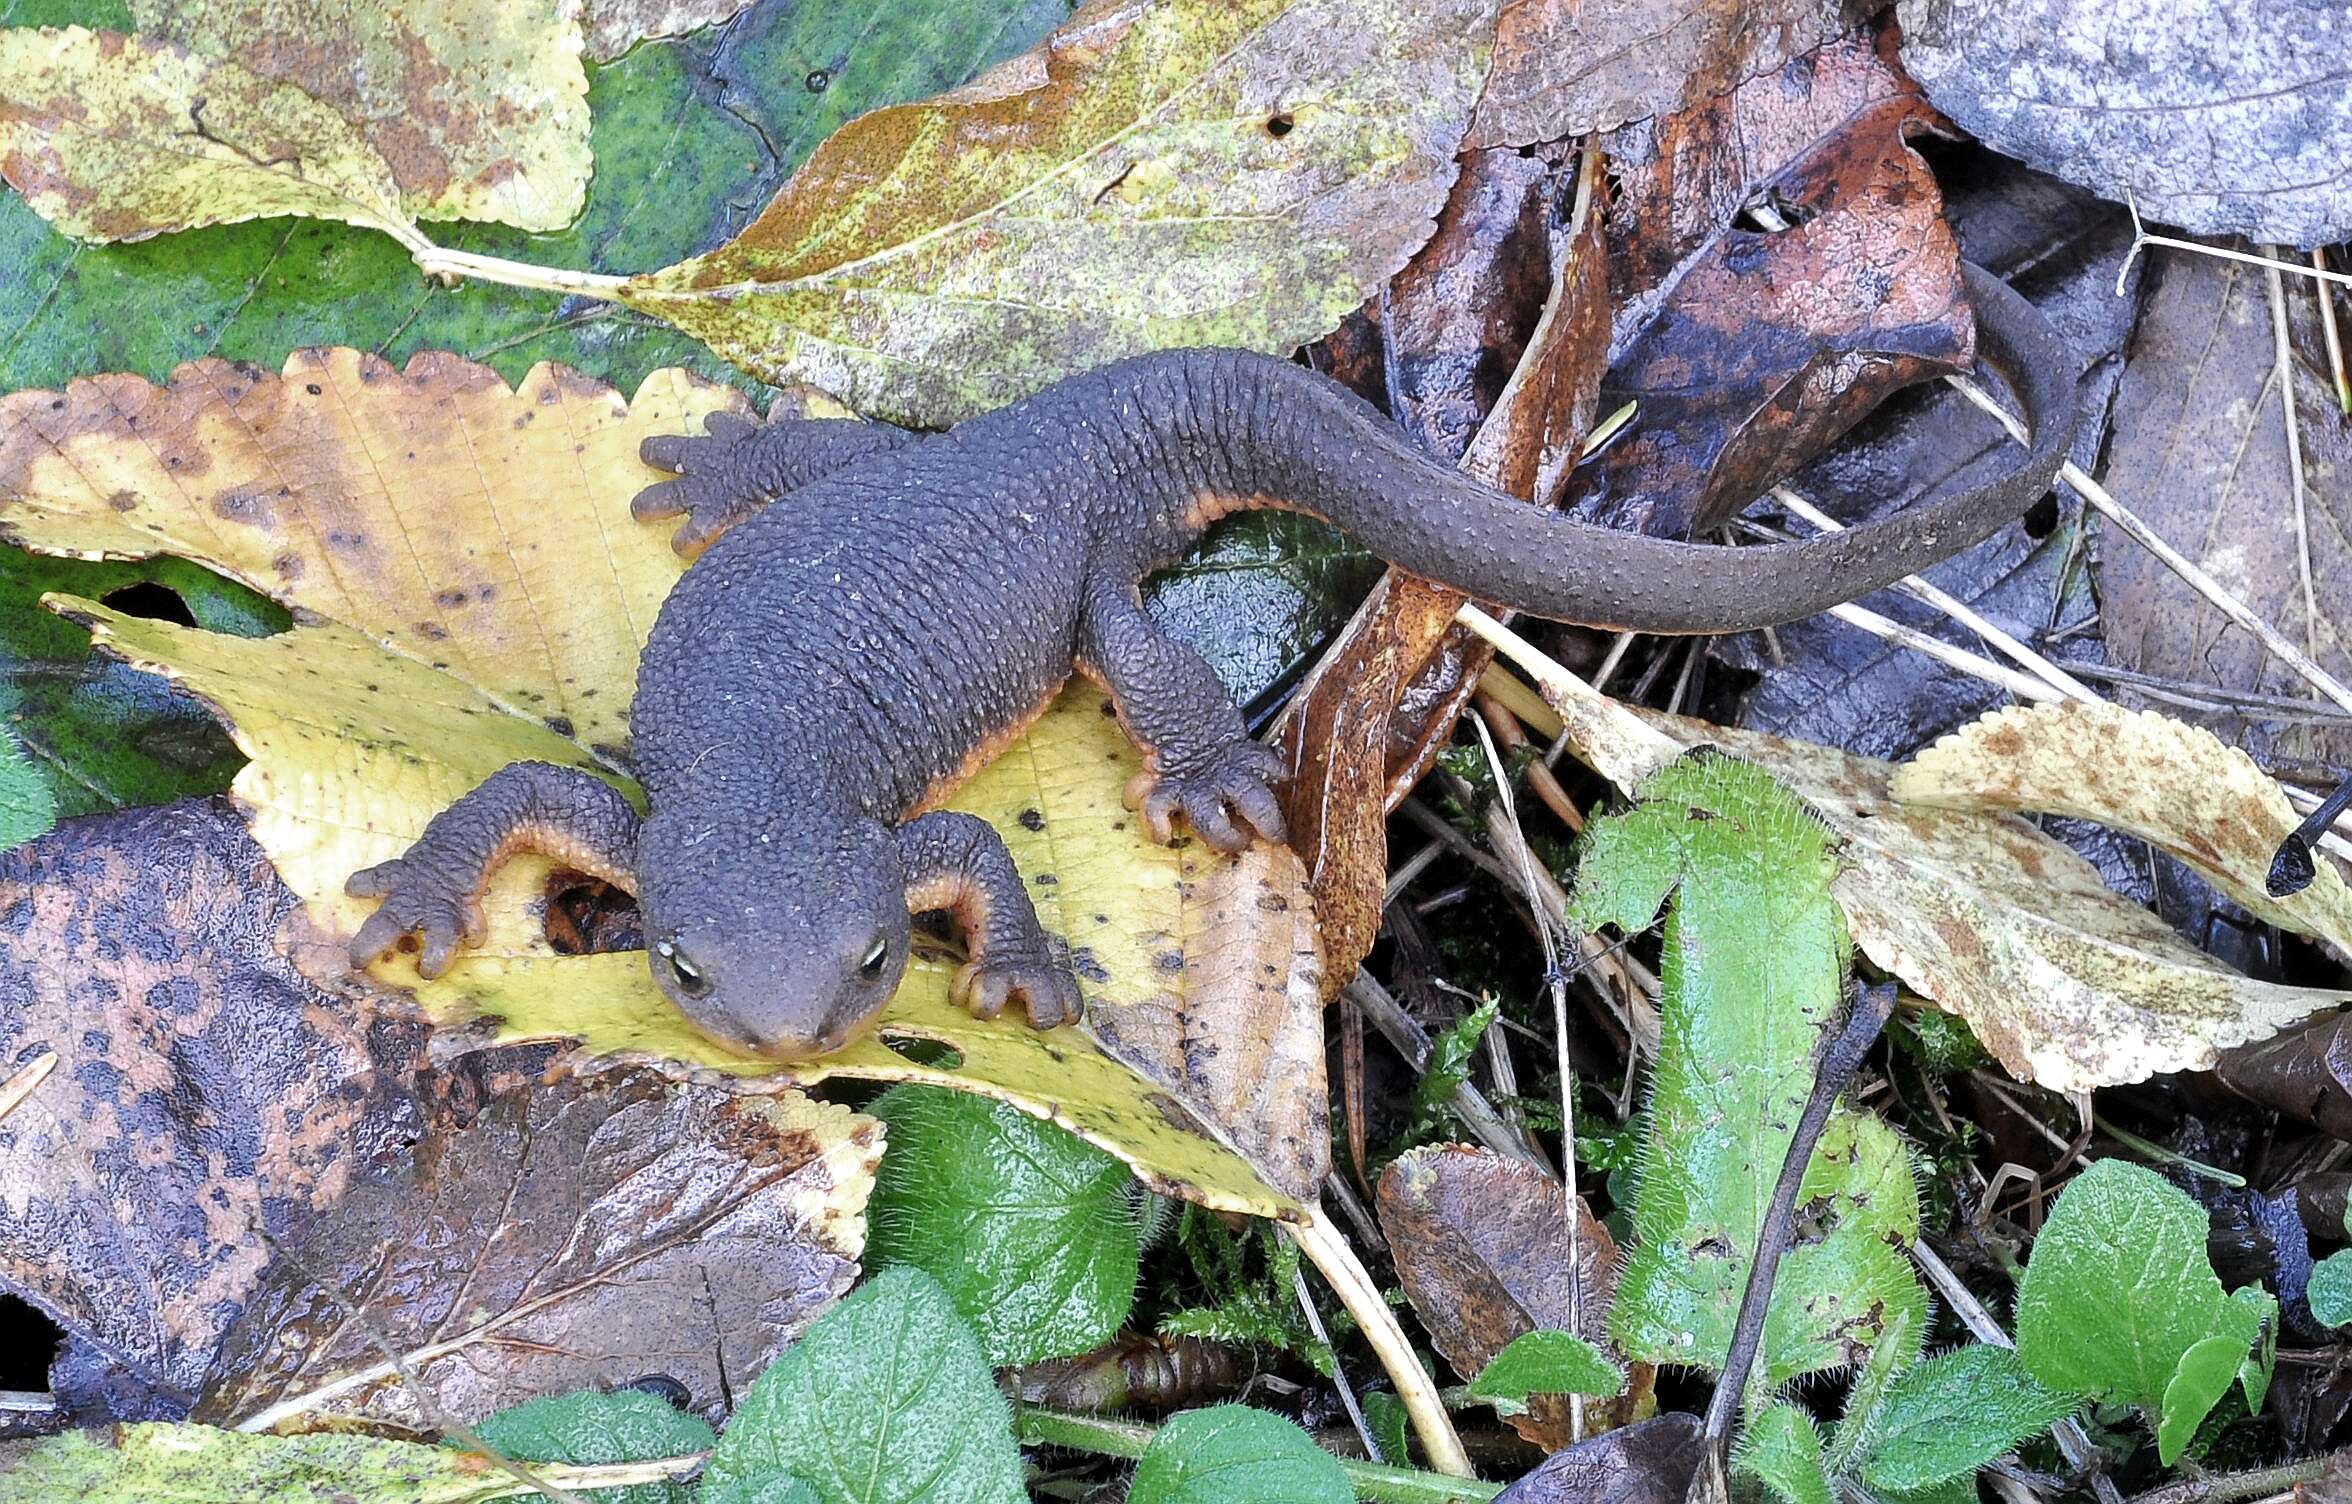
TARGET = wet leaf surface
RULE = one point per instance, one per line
(1185, 174)
(1481, 1245)
(1649, 1462)
(566, 1234)
(1749, 349)
(140, 949)
(2226, 119)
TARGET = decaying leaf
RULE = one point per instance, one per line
(571, 1235)
(615, 26)
(2162, 780)
(111, 137)
(2067, 984)
(1201, 172)
(2199, 450)
(1382, 700)
(1482, 1250)
(481, 112)
(138, 955)
(1566, 67)
(473, 614)
(1749, 350)
(2228, 118)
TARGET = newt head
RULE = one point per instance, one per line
(768, 945)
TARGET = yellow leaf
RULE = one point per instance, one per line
(474, 593)
(481, 109)
(1192, 172)
(111, 137)
(2065, 982)
(2171, 784)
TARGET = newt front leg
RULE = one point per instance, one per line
(435, 888)
(959, 863)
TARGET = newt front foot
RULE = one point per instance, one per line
(1037, 974)
(1236, 784)
(425, 893)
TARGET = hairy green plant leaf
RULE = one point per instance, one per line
(768, 1488)
(2120, 1301)
(1754, 968)
(886, 1400)
(2330, 1290)
(1951, 1415)
(1782, 1448)
(1025, 1226)
(1197, 172)
(1545, 1362)
(1231, 1454)
(589, 1426)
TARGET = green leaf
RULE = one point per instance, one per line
(27, 808)
(1231, 1454)
(2254, 1373)
(2120, 1292)
(175, 1464)
(2205, 1374)
(1748, 870)
(768, 1488)
(589, 1427)
(1782, 1448)
(102, 735)
(1545, 1362)
(886, 1400)
(2330, 1290)
(1448, 1066)
(1026, 1227)
(1953, 1414)
(1385, 1414)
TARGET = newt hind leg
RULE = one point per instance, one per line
(435, 889)
(737, 466)
(1199, 759)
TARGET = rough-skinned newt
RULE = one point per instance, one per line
(877, 612)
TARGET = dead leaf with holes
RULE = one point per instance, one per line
(2066, 983)
(380, 113)
(459, 612)
(2173, 785)
(1194, 172)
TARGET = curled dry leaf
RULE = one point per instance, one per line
(111, 137)
(469, 614)
(2169, 783)
(138, 957)
(482, 112)
(2228, 117)
(1200, 172)
(567, 1236)
(2066, 983)
(2200, 452)
(1481, 1244)
(1567, 67)
(615, 26)
(1382, 700)
(1749, 350)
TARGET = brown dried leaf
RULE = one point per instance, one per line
(2162, 780)
(1194, 172)
(584, 1233)
(1749, 351)
(2199, 451)
(1567, 67)
(205, 1089)
(1481, 1247)
(1649, 1462)
(1381, 701)
(2066, 983)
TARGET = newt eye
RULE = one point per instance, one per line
(689, 978)
(871, 967)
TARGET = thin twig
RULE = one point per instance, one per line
(2141, 238)
(2334, 338)
(2286, 385)
(442, 261)
(1339, 1381)
(1330, 1253)
(2215, 1488)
